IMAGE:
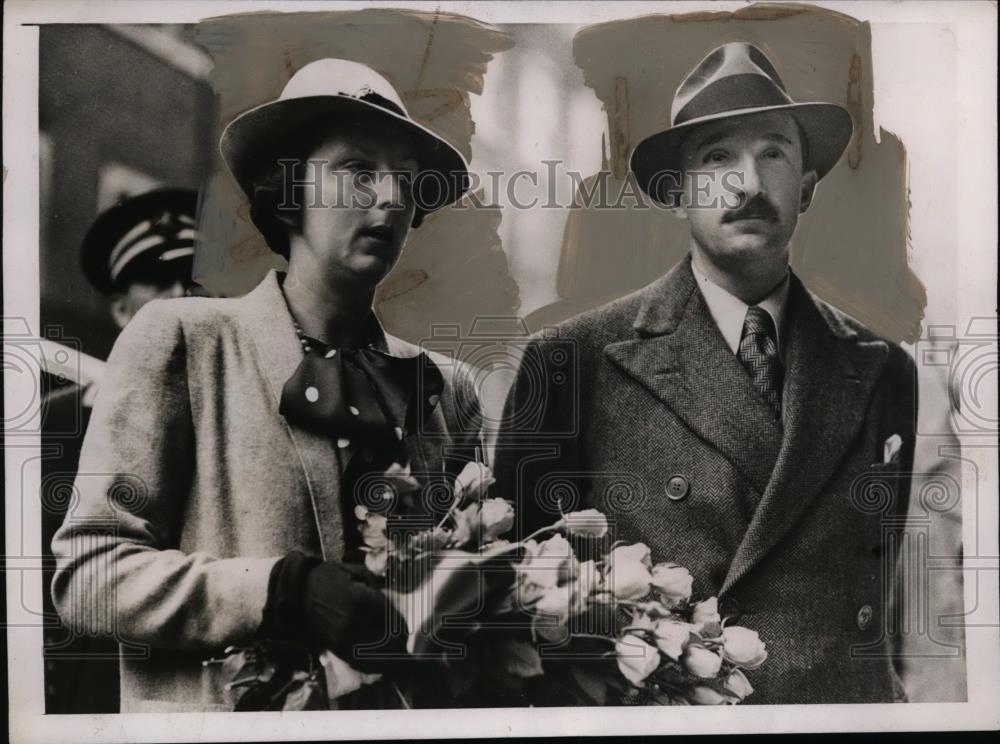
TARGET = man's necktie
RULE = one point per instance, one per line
(758, 353)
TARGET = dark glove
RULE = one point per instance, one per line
(335, 606)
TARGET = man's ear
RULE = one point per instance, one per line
(119, 310)
(809, 181)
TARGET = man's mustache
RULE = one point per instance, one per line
(758, 208)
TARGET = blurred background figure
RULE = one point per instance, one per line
(139, 250)
(142, 249)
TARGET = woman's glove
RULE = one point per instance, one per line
(335, 606)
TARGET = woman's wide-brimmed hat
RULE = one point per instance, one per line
(322, 91)
(737, 80)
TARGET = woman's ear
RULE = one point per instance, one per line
(809, 181)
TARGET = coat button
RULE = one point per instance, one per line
(730, 609)
(864, 616)
(677, 487)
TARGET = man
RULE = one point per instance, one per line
(726, 416)
(140, 249)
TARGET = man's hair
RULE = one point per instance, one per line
(276, 201)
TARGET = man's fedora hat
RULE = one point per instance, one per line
(149, 237)
(325, 90)
(737, 80)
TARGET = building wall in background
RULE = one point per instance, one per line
(116, 118)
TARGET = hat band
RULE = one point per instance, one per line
(181, 245)
(382, 102)
(733, 93)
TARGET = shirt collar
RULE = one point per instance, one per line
(729, 312)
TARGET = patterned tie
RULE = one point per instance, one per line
(758, 353)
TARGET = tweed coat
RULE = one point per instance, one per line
(640, 409)
(192, 485)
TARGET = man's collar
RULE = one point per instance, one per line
(729, 311)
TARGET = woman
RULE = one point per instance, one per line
(232, 438)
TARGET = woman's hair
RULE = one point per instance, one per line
(276, 201)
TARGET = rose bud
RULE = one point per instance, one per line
(672, 581)
(702, 695)
(707, 612)
(467, 524)
(628, 571)
(636, 659)
(587, 581)
(738, 684)
(496, 517)
(376, 561)
(701, 662)
(473, 482)
(672, 637)
(554, 604)
(743, 647)
(586, 523)
(549, 563)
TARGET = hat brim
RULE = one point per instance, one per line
(112, 224)
(251, 139)
(828, 128)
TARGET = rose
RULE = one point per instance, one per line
(586, 523)
(673, 582)
(496, 518)
(738, 684)
(376, 561)
(706, 616)
(636, 659)
(552, 611)
(467, 523)
(373, 528)
(628, 574)
(554, 562)
(701, 662)
(473, 482)
(545, 565)
(743, 647)
(588, 580)
(556, 604)
(672, 636)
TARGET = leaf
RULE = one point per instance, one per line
(520, 658)
(594, 684)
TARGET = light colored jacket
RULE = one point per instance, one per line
(192, 485)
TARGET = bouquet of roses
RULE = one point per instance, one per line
(528, 622)
(617, 625)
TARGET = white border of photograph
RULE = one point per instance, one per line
(910, 98)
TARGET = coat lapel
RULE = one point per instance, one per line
(829, 376)
(269, 325)
(680, 356)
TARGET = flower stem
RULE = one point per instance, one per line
(551, 528)
(594, 636)
(451, 510)
(402, 697)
